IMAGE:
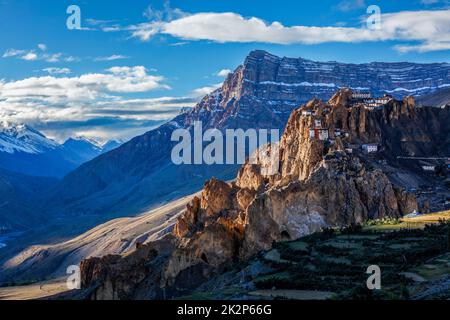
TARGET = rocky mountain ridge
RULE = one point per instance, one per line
(261, 93)
(321, 183)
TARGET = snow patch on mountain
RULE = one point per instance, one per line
(22, 138)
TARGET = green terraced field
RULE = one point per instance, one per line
(335, 262)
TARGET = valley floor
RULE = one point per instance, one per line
(34, 291)
(414, 259)
(41, 262)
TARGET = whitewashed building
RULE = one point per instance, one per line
(361, 95)
(369, 148)
(323, 134)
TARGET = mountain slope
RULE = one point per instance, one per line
(261, 93)
(320, 183)
(435, 99)
(81, 149)
(111, 145)
(18, 200)
(114, 237)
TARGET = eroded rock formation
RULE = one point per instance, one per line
(320, 183)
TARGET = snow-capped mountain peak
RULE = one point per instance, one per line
(19, 137)
(28, 151)
(94, 141)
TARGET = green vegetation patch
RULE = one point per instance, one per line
(337, 260)
(299, 246)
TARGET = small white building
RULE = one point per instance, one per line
(307, 113)
(323, 134)
(361, 95)
(429, 168)
(317, 123)
(349, 150)
(369, 148)
(382, 100)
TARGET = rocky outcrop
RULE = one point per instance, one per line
(319, 184)
(114, 277)
(260, 93)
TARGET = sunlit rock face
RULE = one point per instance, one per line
(321, 182)
(260, 93)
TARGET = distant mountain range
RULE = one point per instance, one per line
(82, 149)
(27, 151)
(260, 93)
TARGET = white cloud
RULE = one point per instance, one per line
(166, 14)
(52, 57)
(50, 89)
(349, 5)
(145, 31)
(114, 28)
(425, 47)
(224, 73)
(96, 22)
(30, 56)
(111, 57)
(13, 53)
(429, 27)
(71, 59)
(93, 101)
(57, 70)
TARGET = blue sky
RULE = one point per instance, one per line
(135, 63)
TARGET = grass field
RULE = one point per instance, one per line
(412, 223)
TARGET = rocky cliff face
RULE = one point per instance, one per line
(275, 86)
(261, 93)
(320, 183)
